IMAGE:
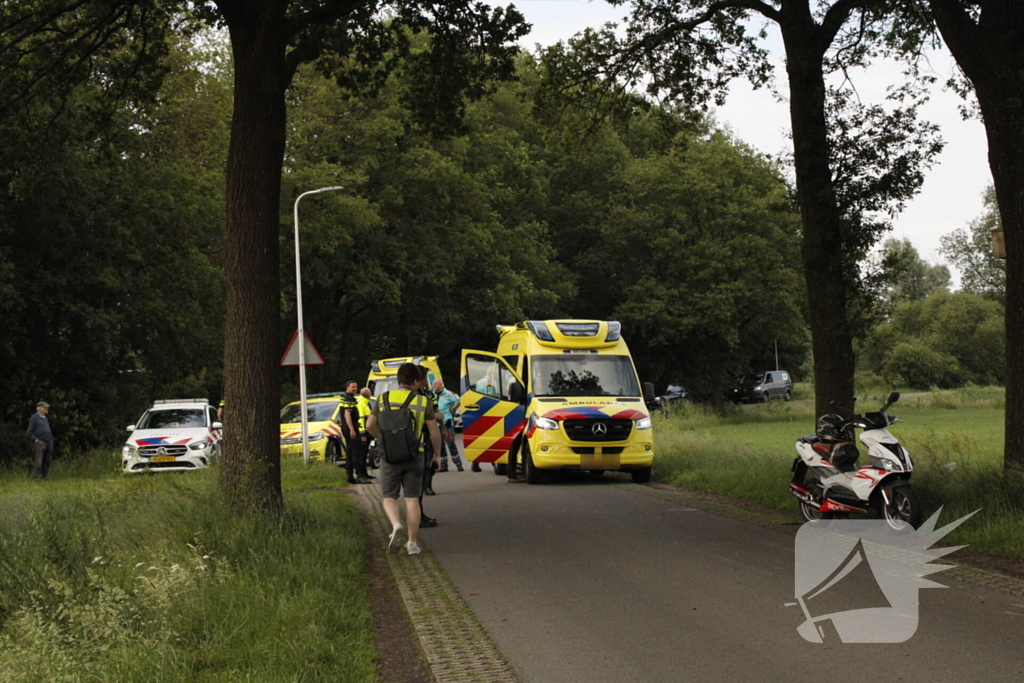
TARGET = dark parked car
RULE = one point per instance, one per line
(674, 394)
(760, 387)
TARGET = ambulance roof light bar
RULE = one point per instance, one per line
(579, 329)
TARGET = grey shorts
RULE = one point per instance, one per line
(405, 477)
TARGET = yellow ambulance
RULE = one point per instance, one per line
(566, 391)
(384, 373)
(324, 427)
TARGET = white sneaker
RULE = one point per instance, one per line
(396, 540)
(413, 548)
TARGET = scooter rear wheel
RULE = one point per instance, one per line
(810, 511)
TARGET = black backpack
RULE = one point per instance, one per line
(398, 435)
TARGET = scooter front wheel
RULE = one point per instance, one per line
(903, 507)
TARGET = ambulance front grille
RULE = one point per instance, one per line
(600, 429)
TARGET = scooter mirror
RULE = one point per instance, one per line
(893, 397)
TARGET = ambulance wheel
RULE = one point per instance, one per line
(332, 452)
(533, 474)
(500, 470)
(642, 475)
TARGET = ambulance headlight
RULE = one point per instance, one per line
(315, 437)
(643, 423)
(546, 423)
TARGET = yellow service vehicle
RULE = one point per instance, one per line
(323, 421)
(384, 373)
(565, 392)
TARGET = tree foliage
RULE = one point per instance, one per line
(855, 165)
(944, 340)
(907, 276)
(970, 250)
(112, 266)
(111, 279)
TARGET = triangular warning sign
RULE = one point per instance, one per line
(291, 354)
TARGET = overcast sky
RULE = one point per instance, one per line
(951, 196)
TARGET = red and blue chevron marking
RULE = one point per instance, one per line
(477, 423)
(160, 441)
(591, 413)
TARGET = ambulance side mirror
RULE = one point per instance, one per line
(516, 393)
(648, 392)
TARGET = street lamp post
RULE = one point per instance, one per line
(301, 335)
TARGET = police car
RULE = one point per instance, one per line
(174, 435)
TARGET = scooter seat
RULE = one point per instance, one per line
(809, 438)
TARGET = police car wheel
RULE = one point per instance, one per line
(332, 452)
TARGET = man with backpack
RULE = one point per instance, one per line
(398, 417)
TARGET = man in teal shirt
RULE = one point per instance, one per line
(447, 402)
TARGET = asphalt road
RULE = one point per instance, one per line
(580, 580)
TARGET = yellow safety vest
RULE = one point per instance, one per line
(363, 406)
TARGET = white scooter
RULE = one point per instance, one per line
(829, 484)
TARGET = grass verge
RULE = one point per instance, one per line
(955, 437)
(111, 578)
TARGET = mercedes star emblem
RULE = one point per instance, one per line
(599, 429)
(163, 451)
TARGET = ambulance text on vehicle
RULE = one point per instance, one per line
(178, 435)
(323, 415)
(566, 391)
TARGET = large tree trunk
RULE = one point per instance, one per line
(251, 464)
(990, 54)
(1005, 130)
(827, 283)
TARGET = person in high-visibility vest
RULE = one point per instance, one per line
(363, 406)
(355, 447)
(406, 476)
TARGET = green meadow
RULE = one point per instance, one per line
(955, 438)
(105, 577)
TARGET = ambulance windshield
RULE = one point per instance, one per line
(583, 375)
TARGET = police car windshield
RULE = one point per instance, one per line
(315, 412)
(583, 375)
(173, 418)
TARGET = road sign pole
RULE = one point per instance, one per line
(302, 332)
